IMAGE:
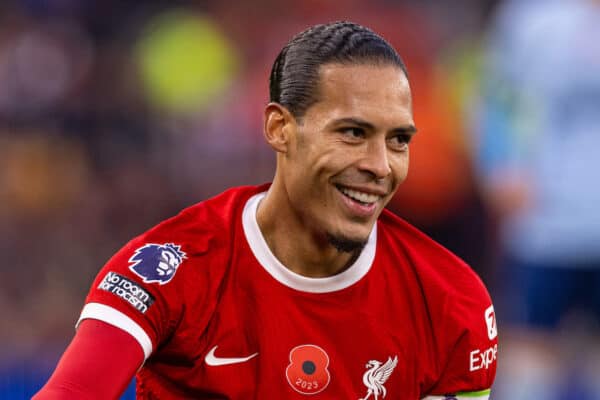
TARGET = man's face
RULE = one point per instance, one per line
(349, 152)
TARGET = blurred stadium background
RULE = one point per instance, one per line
(115, 114)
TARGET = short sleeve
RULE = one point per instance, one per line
(471, 344)
(139, 290)
(456, 340)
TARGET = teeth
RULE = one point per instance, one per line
(360, 196)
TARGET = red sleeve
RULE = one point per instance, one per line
(142, 288)
(462, 352)
(470, 343)
(98, 364)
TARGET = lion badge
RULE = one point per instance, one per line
(157, 262)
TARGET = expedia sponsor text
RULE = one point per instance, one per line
(482, 359)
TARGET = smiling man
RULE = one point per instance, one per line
(306, 286)
(338, 164)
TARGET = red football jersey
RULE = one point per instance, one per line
(219, 317)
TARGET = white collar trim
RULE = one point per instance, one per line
(277, 270)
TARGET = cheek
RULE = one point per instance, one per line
(400, 168)
(325, 161)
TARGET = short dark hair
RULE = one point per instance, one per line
(295, 73)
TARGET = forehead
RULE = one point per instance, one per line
(372, 92)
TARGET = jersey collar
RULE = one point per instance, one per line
(277, 270)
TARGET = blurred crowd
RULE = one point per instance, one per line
(116, 114)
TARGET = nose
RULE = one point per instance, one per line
(375, 160)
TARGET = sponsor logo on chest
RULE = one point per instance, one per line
(483, 358)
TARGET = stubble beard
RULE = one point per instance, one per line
(346, 245)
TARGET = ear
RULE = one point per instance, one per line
(279, 126)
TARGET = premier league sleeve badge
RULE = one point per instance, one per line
(157, 263)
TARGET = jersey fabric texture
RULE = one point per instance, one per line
(219, 317)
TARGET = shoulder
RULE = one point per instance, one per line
(204, 218)
(437, 268)
(453, 291)
(461, 323)
(153, 279)
(177, 245)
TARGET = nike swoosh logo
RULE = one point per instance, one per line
(215, 361)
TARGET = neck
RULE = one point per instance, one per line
(295, 245)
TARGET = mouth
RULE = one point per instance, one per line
(360, 204)
(357, 196)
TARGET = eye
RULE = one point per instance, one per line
(400, 141)
(353, 132)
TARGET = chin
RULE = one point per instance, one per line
(351, 239)
(345, 244)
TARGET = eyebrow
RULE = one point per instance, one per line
(407, 129)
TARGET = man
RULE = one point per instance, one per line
(302, 287)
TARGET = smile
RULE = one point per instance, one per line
(358, 196)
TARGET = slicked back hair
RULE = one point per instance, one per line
(295, 73)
